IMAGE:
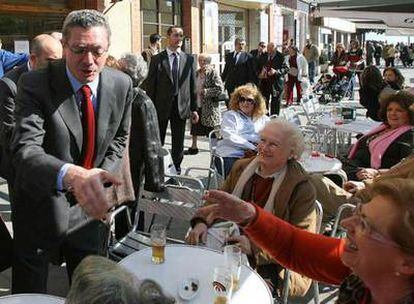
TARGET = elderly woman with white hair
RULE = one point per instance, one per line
(276, 182)
(209, 87)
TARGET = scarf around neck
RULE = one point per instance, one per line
(248, 172)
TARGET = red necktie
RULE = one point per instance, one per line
(88, 125)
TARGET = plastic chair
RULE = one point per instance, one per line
(315, 285)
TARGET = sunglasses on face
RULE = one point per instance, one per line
(247, 100)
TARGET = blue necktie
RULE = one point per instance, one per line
(175, 74)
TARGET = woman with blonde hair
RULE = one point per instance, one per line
(241, 125)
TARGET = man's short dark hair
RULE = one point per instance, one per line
(86, 19)
(154, 38)
(170, 29)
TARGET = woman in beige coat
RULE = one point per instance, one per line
(275, 181)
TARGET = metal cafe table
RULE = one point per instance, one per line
(31, 298)
(184, 262)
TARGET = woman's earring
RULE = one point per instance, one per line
(397, 274)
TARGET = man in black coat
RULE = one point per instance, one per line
(171, 86)
(272, 70)
(239, 68)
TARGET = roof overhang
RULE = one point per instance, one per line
(394, 13)
(248, 4)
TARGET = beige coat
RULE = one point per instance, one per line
(294, 202)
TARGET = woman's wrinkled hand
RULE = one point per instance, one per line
(367, 173)
(197, 234)
(227, 207)
(243, 242)
(353, 186)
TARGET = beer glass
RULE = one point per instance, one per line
(158, 239)
(232, 256)
(222, 285)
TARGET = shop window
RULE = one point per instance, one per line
(158, 16)
(23, 27)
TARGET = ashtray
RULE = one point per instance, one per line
(188, 288)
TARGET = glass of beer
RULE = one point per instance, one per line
(222, 285)
(232, 256)
(158, 239)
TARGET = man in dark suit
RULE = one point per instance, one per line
(239, 68)
(72, 121)
(272, 70)
(44, 48)
(261, 49)
(171, 86)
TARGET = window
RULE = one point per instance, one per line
(158, 16)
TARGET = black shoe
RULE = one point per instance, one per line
(191, 151)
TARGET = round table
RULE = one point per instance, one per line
(321, 164)
(184, 261)
(31, 298)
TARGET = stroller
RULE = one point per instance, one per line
(334, 88)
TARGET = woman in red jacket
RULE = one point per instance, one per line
(374, 264)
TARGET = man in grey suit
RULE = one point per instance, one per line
(72, 121)
(171, 86)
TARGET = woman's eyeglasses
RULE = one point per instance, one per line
(369, 230)
(247, 100)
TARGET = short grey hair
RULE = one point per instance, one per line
(100, 280)
(206, 57)
(135, 66)
(86, 19)
(294, 136)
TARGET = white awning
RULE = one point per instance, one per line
(248, 4)
(394, 13)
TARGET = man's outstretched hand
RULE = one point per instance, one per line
(88, 187)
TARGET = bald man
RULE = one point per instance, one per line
(44, 48)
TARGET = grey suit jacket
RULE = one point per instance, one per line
(159, 85)
(48, 134)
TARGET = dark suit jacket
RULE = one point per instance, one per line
(277, 63)
(7, 121)
(48, 134)
(159, 85)
(240, 73)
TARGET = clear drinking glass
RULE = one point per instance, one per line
(158, 240)
(222, 285)
(233, 258)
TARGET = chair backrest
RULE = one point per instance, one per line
(339, 216)
(213, 137)
(307, 107)
(169, 168)
(319, 216)
(177, 202)
(290, 115)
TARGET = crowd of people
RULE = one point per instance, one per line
(81, 132)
